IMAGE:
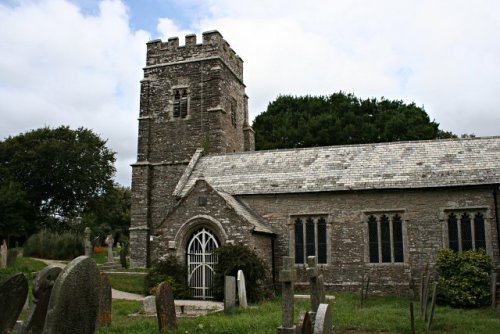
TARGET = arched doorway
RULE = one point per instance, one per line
(201, 261)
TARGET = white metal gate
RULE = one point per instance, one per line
(201, 261)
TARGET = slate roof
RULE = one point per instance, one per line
(417, 164)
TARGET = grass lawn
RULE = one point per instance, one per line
(380, 314)
(128, 283)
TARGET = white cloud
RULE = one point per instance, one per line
(59, 67)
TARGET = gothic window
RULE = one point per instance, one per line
(233, 113)
(385, 238)
(180, 103)
(310, 239)
(466, 231)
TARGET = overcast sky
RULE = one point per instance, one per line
(79, 62)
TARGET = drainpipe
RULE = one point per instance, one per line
(497, 219)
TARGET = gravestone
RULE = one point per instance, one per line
(242, 291)
(109, 241)
(11, 257)
(304, 324)
(323, 323)
(74, 300)
(287, 279)
(165, 307)
(315, 283)
(229, 293)
(13, 293)
(42, 287)
(149, 305)
(104, 313)
(123, 255)
(87, 244)
(3, 255)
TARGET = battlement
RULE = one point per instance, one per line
(213, 45)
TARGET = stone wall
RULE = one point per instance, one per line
(423, 212)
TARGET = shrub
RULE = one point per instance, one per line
(239, 257)
(52, 245)
(168, 269)
(464, 278)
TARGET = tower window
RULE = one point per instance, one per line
(180, 103)
(233, 113)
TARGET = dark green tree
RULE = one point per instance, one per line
(340, 119)
(109, 212)
(60, 170)
(16, 213)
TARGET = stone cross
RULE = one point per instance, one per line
(87, 244)
(13, 293)
(315, 283)
(109, 241)
(104, 313)
(42, 287)
(229, 294)
(287, 279)
(3, 255)
(165, 307)
(74, 300)
(323, 323)
(242, 292)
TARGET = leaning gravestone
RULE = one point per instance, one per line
(242, 291)
(323, 323)
(229, 293)
(304, 325)
(13, 293)
(165, 307)
(74, 300)
(42, 287)
(104, 313)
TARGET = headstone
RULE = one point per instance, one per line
(229, 293)
(3, 255)
(287, 279)
(242, 291)
(13, 293)
(42, 287)
(323, 323)
(149, 305)
(123, 255)
(165, 307)
(315, 283)
(74, 300)
(11, 257)
(104, 313)
(109, 241)
(87, 243)
(304, 324)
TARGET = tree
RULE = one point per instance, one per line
(60, 170)
(109, 212)
(16, 213)
(340, 119)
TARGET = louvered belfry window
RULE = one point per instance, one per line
(180, 103)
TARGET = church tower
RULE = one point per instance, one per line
(192, 97)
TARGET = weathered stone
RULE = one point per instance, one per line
(149, 305)
(229, 294)
(433, 306)
(315, 283)
(42, 288)
(74, 300)
(242, 291)
(165, 307)
(323, 323)
(109, 242)
(87, 243)
(287, 279)
(13, 292)
(123, 255)
(11, 257)
(304, 324)
(105, 299)
(3, 255)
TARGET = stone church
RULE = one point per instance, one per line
(384, 209)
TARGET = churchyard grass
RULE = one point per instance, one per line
(379, 314)
(23, 264)
(132, 283)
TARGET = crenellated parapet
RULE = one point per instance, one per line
(213, 46)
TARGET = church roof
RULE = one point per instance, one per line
(417, 164)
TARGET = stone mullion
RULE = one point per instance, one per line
(379, 240)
